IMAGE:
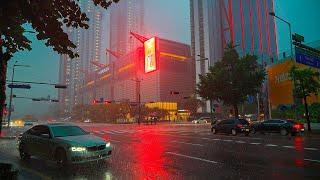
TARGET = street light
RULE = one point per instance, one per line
(11, 90)
(274, 15)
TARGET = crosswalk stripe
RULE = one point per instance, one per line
(271, 145)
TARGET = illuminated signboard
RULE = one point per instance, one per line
(150, 58)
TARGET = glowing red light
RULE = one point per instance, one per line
(150, 55)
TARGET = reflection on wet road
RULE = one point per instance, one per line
(185, 151)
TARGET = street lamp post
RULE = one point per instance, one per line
(138, 81)
(207, 59)
(291, 49)
(11, 89)
(290, 31)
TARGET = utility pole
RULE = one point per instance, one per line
(11, 90)
(138, 81)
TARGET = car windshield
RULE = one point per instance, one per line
(63, 131)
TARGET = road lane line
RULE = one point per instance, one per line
(312, 149)
(191, 157)
(271, 145)
(312, 160)
(290, 147)
(241, 142)
(186, 143)
(255, 143)
(227, 140)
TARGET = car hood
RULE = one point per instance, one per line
(84, 140)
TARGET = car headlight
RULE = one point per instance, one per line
(108, 144)
(78, 149)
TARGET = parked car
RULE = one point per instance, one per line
(284, 127)
(231, 126)
(87, 121)
(28, 123)
(202, 120)
(63, 143)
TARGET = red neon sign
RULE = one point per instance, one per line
(150, 57)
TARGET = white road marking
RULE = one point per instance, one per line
(290, 147)
(191, 157)
(241, 142)
(186, 143)
(255, 143)
(312, 160)
(312, 149)
(271, 145)
(227, 140)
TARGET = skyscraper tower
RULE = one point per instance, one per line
(88, 42)
(245, 23)
(127, 16)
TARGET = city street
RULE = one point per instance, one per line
(183, 151)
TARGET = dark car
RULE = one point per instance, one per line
(63, 143)
(284, 127)
(231, 126)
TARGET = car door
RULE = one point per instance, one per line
(266, 126)
(31, 140)
(278, 125)
(44, 142)
(226, 126)
(219, 126)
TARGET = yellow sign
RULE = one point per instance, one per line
(150, 58)
(280, 85)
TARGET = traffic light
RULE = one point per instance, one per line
(174, 92)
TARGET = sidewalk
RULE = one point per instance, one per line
(11, 133)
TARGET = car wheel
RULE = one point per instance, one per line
(283, 132)
(233, 132)
(23, 154)
(213, 130)
(61, 157)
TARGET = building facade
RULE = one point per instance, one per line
(126, 77)
(245, 23)
(75, 72)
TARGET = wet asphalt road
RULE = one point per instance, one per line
(184, 152)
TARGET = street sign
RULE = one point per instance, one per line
(19, 86)
(297, 37)
(250, 99)
(305, 58)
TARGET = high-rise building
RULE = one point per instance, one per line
(75, 72)
(107, 30)
(245, 23)
(127, 16)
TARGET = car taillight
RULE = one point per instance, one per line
(297, 126)
(239, 125)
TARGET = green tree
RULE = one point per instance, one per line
(47, 18)
(306, 82)
(191, 104)
(232, 79)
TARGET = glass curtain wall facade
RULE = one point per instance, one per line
(245, 23)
